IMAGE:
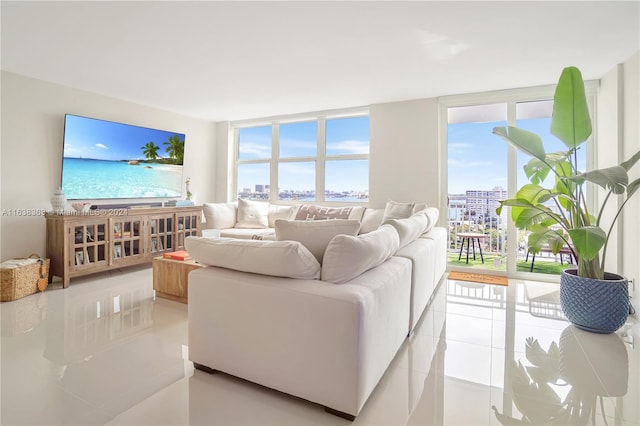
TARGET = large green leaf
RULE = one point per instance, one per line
(588, 241)
(536, 171)
(523, 140)
(631, 161)
(533, 193)
(633, 187)
(614, 179)
(529, 216)
(563, 171)
(570, 121)
(543, 236)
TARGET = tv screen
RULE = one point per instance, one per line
(108, 160)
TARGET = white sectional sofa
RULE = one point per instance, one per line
(319, 314)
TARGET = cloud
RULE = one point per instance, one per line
(349, 147)
(452, 162)
(459, 145)
(255, 150)
(297, 143)
(99, 145)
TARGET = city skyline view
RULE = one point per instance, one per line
(474, 155)
(298, 154)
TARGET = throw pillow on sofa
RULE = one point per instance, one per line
(395, 210)
(347, 257)
(219, 215)
(432, 214)
(252, 214)
(281, 212)
(315, 235)
(313, 212)
(411, 228)
(277, 258)
(371, 220)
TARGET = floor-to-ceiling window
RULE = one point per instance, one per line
(483, 169)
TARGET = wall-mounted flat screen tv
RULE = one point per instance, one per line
(108, 160)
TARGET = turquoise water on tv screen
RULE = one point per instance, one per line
(85, 179)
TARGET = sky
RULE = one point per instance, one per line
(343, 136)
(477, 158)
(106, 140)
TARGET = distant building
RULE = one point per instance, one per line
(260, 189)
(483, 204)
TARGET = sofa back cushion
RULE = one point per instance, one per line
(432, 214)
(219, 215)
(314, 212)
(315, 235)
(277, 258)
(281, 212)
(395, 210)
(348, 256)
(411, 228)
(252, 214)
(371, 220)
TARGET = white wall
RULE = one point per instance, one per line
(225, 161)
(608, 154)
(631, 145)
(404, 156)
(31, 150)
(618, 139)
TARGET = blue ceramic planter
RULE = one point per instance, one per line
(599, 306)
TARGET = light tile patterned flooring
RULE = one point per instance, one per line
(104, 351)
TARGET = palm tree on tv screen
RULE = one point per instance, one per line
(150, 150)
(175, 149)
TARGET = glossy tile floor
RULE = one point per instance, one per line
(104, 351)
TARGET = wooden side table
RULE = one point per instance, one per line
(472, 238)
(170, 278)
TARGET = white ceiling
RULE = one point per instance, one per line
(237, 60)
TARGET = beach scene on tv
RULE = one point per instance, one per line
(104, 159)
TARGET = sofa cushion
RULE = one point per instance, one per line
(432, 214)
(419, 207)
(252, 214)
(219, 215)
(371, 220)
(315, 235)
(248, 233)
(314, 212)
(347, 256)
(411, 228)
(394, 210)
(277, 258)
(281, 212)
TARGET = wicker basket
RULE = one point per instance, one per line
(22, 277)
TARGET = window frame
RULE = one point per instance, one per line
(512, 97)
(319, 159)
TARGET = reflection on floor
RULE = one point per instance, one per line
(104, 351)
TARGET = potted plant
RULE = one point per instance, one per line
(559, 217)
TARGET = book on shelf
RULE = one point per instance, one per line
(177, 255)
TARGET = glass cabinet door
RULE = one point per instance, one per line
(188, 225)
(161, 234)
(127, 238)
(89, 244)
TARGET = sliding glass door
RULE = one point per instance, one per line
(483, 169)
(477, 180)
